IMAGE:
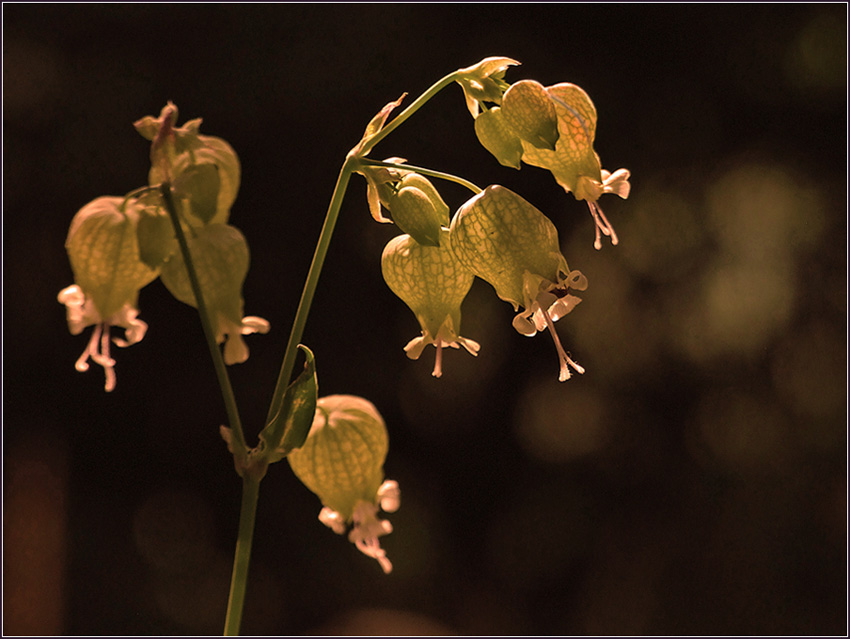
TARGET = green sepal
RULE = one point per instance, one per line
(483, 82)
(497, 137)
(103, 249)
(156, 237)
(413, 213)
(500, 237)
(528, 110)
(289, 427)
(200, 184)
(221, 258)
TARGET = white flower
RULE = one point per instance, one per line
(590, 190)
(82, 313)
(366, 527)
(235, 349)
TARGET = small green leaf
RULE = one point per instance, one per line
(156, 237)
(289, 428)
(200, 184)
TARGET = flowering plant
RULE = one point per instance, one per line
(176, 228)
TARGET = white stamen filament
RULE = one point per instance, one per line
(98, 350)
(565, 359)
(602, 224)
(438, 362)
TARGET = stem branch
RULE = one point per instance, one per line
(238, 443)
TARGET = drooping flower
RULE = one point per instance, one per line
(521, 129)
(342, 462)
(433, 283)
(507, 242)
(221, 258)
(103, 250)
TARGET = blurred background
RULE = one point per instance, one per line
(692, 481)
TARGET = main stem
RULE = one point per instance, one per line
(250, 483)
(242, 556)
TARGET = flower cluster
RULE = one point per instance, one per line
(118, 245)
(549, 127)
(497, 235)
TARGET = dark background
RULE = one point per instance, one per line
(693, 481)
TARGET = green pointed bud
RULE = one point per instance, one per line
(483, 82)
(220, 255)
(108, 270)
(290, 425)
(378, 186)
(103, 249)
(433, 283)
(497, 137)
(424, 184)
(507, 242)
(415, 214)
(528, 110)
(342, 462)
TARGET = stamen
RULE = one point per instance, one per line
(82, 364)
(565, 359)
(438, 363)
(602, 224)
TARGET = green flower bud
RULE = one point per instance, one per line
(497, 137)
(528, 110)
(433, 283)
(415, 214)
(483, 82)
(507, 242)
(424, 184)
(220, 256)
(342, 462)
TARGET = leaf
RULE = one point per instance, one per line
(200, 184)
(375, 125)
(156, 238)
(289, 428)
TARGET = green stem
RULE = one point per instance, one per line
(238, 442)
(310, 286)
(242, 556)
(413, 108)
(429, 172)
